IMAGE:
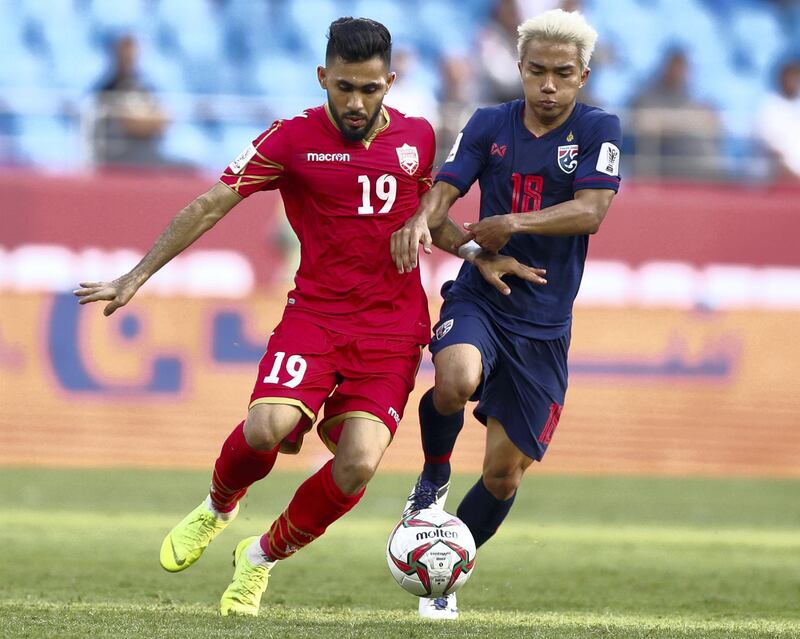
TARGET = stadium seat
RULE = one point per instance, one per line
(131, 16)
(160, 70)
(399, 19)
(757, 36)
(189, 143)
(49, 142)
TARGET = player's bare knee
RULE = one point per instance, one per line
(502, 482)
(262, 429)
(259, 434)
(452, 395)
(351, 475)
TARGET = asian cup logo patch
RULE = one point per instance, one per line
(568, 157)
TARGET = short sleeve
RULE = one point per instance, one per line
(598, 159)
(468, 156)
(426, 180)
(262, 165)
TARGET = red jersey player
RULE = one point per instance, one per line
(350, 173)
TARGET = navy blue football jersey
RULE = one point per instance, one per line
(521, 173)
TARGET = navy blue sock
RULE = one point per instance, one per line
(482, 512)
(439, 433)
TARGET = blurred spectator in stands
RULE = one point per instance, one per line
(459, 96)
(779, 121)
(675, 135)
(130, 123)
(529, 8)
(497, 48)
(412, 93)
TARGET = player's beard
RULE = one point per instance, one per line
(349, 133)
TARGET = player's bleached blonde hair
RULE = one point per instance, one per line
(558, 25)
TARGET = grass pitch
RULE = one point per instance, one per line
(579, 557)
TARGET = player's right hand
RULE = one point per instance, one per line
(119, 292)
(405, 243)
(493, 267)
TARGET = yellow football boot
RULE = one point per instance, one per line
(186, 542)
(243, 596)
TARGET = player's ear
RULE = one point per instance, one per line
(322, 77)
(390, 80)
(585, 76)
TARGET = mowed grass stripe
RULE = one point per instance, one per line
(99, 525)
(346, 622)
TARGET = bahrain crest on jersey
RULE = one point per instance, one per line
(568, 157)
(408, 157)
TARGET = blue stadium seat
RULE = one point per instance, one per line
(19, 67)
(290, 80)
(399, 18)
(49, 142)
(163, 72)
(190, 143)
(130, 16)
(249, 30)
(310, 20)
(444, 29)
(757, 35)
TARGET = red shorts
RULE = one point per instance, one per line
(309, 366)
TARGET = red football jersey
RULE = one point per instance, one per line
(344, 200)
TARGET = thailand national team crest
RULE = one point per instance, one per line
(409, 158)
(568, 157)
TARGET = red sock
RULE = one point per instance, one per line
(238, 467)
(316, 505)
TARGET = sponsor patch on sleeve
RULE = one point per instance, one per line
(608, 159)
(452, 155)
(242, 159)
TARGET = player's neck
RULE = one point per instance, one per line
(541, 127)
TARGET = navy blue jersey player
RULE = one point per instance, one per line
(548, 169)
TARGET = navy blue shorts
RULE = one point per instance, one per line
(524, 379)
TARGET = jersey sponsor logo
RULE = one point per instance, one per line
(444, 329)
(568, 157)
(454, 150)
(608, 159)
(242, 159)
(408, 157)
(328, 157)
(499, 151)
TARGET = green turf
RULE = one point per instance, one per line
(579, 557)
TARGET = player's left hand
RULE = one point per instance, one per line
(492, 233)
(493, 267)
(405, 243)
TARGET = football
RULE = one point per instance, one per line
(430, 553)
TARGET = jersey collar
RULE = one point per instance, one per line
(552, 132)
(368, 140)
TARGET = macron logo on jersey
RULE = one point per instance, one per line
(328, 157)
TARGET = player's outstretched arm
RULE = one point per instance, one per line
(429, 225)
(188, 225)
(579, 216)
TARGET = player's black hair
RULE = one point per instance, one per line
(357, 40)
